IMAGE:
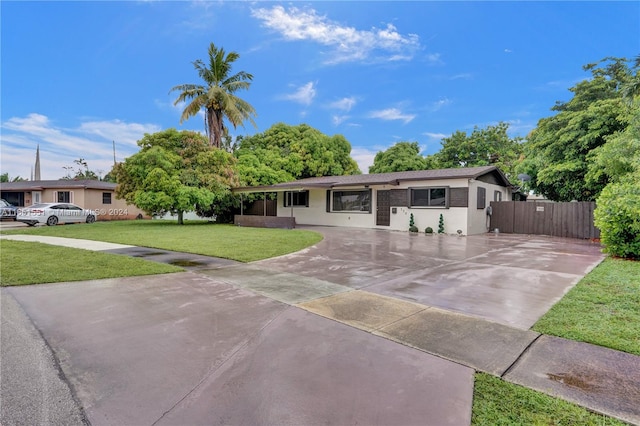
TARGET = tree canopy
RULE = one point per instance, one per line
(401, 157)
(175, 172)
(560, 148)
(217, 95)
(483, 147)
(285, 153)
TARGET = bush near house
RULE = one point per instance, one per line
(618, 217)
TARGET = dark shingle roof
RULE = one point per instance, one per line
(381, 178)
(39, 185)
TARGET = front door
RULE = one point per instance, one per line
(383, 214)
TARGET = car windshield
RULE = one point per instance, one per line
(3, 203)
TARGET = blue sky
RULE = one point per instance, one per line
(78, 75)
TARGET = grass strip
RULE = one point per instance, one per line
(603, 308)
(225, 241)
(497, 402)
(35, 263)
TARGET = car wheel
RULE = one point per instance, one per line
(31, 223)
(52, 220)
(91, 218)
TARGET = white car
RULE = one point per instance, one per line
(54, 213)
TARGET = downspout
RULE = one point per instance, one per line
(264, 203)
(241, 204)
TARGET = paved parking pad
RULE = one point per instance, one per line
(281, 286)
(483, 345)
(509, 279)
(132, 348)
(513, 296)
(306, 370)
(188, 349)
(366, 311)
(602, 379)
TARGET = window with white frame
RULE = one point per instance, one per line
(497, 196)
(430, 197)
(352, 201)
(296, 199)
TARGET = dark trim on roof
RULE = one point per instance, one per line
(379, 179)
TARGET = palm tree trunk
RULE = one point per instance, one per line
(211, 126)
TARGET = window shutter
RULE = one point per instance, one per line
(328, 200)
(55, 197)
(71, 196)
(482, 196)
(459, 197)
(307, 194)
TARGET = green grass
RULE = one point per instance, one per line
(603, 308)
(34, 263)
(496, 402)
(225, 241)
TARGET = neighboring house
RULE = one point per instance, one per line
(89, 194)
(387, 200)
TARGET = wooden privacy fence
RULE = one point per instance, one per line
(569, 220)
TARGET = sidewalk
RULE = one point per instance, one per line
(600, 379)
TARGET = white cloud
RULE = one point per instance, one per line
(461, 76)
(392, 114)
(344, 104)
(435, 136)
(439, 104)
(348, 43)
(303, 95)
(59, 146)
(364, 157)
(434, 59)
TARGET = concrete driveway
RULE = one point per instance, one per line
(290, 340)
(506, 278)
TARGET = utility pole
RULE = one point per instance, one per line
(114, 152)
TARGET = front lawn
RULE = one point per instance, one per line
(603, 308)
(496, 402)
(225, 241)
(34, 263)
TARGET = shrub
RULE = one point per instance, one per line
(617, 215)
(441, 224)
(412, 224)
(428, 230)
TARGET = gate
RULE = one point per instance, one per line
(569, 220)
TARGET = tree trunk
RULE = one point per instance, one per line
(180, 216)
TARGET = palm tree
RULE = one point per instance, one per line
(216, 96)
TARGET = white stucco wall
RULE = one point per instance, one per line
(478, 221)
(316, 213)
(470, 220)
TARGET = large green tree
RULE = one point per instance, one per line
(483, 147)
(617, 214)
(284, 153)
(560, 148)
(217, 95)
(175, 172)
(401, 157)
